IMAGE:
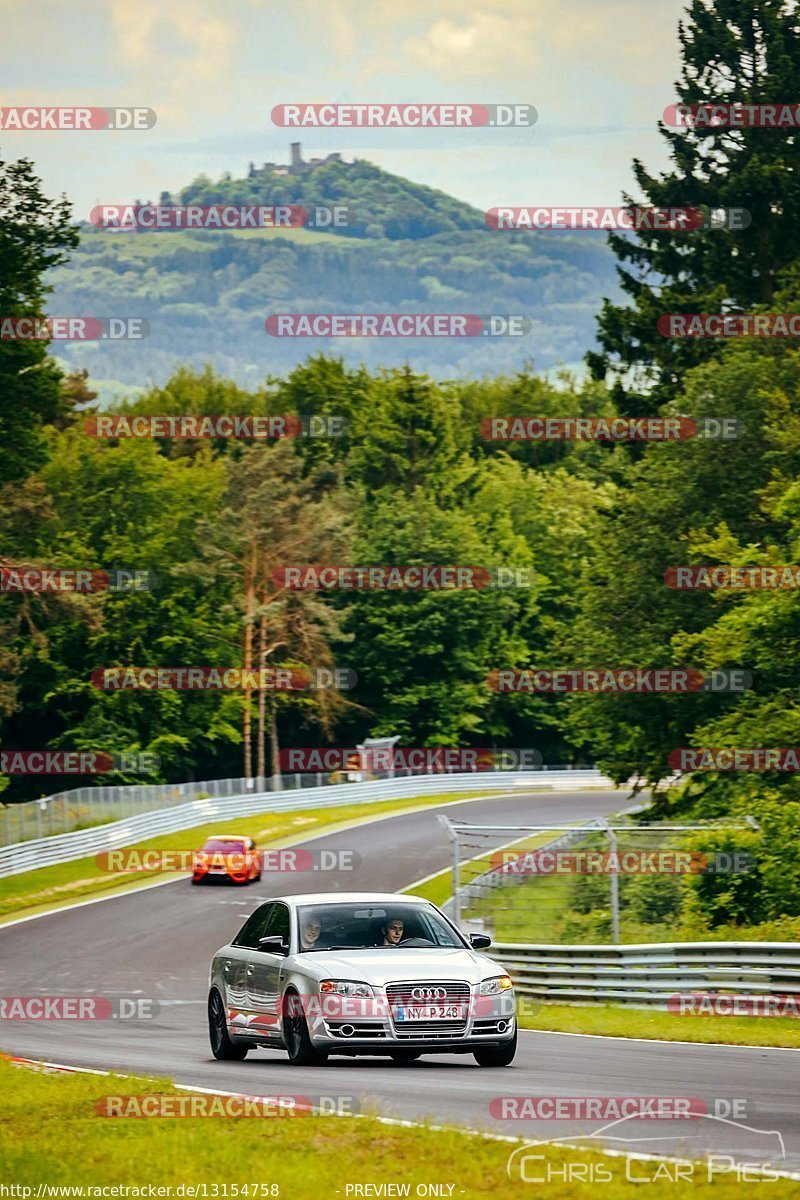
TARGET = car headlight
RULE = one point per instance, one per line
(346, 987)
(495, 985)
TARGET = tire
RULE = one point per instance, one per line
(402, 1056)
(497, 1057)
(296, 1036)
(221, 1045)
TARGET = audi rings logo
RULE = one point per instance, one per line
(429, 993)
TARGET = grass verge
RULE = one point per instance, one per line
(618, 1020)
(56, 886)
(52, 1135)
(439, 887)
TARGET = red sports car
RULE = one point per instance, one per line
(227, 856)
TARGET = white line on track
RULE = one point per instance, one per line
(621, 1037)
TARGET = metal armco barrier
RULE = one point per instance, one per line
(66, 847)
(79, 808)
(649, 974)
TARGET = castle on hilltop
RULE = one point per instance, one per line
(296, 167)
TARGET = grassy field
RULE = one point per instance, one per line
(50, 887)
(439, 887)
(51, 1134)
(618, 1020)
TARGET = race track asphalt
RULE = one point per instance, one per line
(158, 943)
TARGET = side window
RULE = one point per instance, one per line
(278, 923)
(255, 926)
(437, 931)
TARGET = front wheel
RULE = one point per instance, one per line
(297, 1039)
(501, 1056)
(221, 1045)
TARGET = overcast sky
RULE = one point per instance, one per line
(600, 73)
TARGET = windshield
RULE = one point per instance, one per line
(369, 927)
(215, 845)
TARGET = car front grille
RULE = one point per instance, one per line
(455, 992)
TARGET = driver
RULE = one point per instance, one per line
(310, 929)
(392, 932)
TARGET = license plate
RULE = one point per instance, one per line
(217, 871)
(429, 1012)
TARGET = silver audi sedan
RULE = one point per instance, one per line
(359, 973)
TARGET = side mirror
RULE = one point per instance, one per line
(273, 944)
(480, 941)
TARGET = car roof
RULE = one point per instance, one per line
(350, 898)
(228, 837)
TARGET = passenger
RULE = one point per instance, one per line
(310, 929)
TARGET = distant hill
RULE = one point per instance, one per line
(407, 248)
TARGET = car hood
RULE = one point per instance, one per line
(382, 966)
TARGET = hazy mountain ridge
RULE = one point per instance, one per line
(407, 248)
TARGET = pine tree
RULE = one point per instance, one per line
(35, 235)
(734, 52)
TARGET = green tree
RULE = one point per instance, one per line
(35, 235)
(735, 52)
(274, 515)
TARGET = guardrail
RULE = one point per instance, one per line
(66, 847)
(648, 974)
(79, 808)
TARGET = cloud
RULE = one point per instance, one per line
(175, 43)
(475, 47)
